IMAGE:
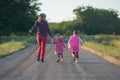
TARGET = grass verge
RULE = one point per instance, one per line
(11, 45)
(111, 54)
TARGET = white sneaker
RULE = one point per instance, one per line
(76, 61)
(62, 59)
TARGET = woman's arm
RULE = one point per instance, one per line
(48, 30)
(34, 26)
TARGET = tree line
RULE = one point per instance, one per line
(91, 21)
(17, 16)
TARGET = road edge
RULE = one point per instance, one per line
(104, 56)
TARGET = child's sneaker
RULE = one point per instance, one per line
(76, 62)
(58, 60)
(62, 59)
(74, 59)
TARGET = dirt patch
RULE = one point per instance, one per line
(103, 55)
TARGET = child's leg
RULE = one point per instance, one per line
(73, 56)
(76, 56)
(62, 57)
(58, 58)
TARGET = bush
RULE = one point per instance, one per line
(115, 43)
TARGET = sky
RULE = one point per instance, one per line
(62, 10)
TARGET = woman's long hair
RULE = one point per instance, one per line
(40, 18)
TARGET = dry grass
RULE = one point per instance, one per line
(8, 47)
(12, 45)
(111, 54)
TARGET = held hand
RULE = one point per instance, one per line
(52, 40)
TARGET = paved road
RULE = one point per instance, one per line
(23, 66)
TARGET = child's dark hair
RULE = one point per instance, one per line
(75, 32)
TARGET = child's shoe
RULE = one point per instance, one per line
(58, 60)
(74, 58)
(62, 59)
(76, 61)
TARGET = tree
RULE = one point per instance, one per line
(17, 15)
(90, 20)
(97, 21)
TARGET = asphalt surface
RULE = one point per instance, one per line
(23, 66)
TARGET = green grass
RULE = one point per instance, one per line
(8, 46)
(115, 43)
(109, 40)
(108, 50)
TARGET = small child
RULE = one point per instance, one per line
(74, 45)
(59, 47)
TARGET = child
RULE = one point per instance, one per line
(74, 45)
(59, 47)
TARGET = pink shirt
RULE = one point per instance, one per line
(73, 43)
(59, 46)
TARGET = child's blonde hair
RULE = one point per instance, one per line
(58, 35)
(75, 32)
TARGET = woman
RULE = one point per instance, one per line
(42, 29)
